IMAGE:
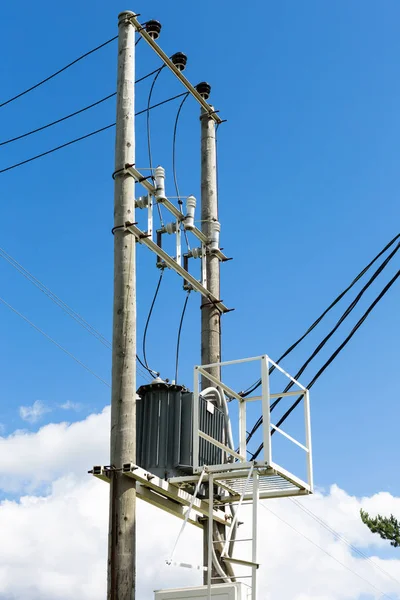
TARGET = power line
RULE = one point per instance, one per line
(327, 553)
(174, 163)
(77, 112)
(149, 135)
(178, 341)
(73, 114)
(148, 321)
(61, 304)
(317, 321)
(341, 537)
(54, 342)
(334, 354)
(79, 139)
(344, 316)
(24, 162)
(58, 72)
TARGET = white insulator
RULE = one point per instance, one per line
(215, 229)
(196, 252)
(159, 176)
(190, 208)
(170, 227)
(142, 202)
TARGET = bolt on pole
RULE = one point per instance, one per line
(122, 518)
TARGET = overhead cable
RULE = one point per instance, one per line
(149, 134)
(58, 72)
(344, 316)
(178, 341)
(73, 114)
(54, 342)
(317, 321)
(383, 594)
(174, 163)
(83, 137)
(334, 355)
(148, 321)
(59, 302)
(340, 537)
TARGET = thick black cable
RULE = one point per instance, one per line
(58, 72)
(333, 355)
(344, 316)
(86, 136)
(149, 135)
(148, 320)
(293, 346)
(150, 371)
(174, 162)
(178, 341)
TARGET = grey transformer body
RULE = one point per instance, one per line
(164, 422)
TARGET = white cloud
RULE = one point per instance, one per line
(53, 547)
(33, 413)
(71, 406)
(31, 459)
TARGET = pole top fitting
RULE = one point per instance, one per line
(204, 89)
(125, 15)
(179, 59)
(153, 28)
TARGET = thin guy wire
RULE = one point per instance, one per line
(174, 165)
(24, 162)
(59, 302)
(77, 112)
(58, 72)
(326, 552)
(178, 341)
(149, 135)
(54, 342)
(341, 295)
(341, 537)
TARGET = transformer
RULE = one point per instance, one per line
(164, 421)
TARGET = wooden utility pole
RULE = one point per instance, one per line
(122, 523)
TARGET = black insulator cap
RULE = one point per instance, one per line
(179, 59)
(204, 89)
(153, 28)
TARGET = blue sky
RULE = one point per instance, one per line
(308, 175)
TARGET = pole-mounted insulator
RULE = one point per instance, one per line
(204, 89)
(153, 28)
(159, 176)
(214, 237)
(188, 223)
(179, 59)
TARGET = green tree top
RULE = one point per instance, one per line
(387, 527)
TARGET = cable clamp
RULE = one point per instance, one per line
(124, 227)
(123, 170)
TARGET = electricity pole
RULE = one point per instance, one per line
(210, 315)
(122, 522)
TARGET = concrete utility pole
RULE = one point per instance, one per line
(210, 315)
(122, 524)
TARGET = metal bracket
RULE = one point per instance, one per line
(172, 264)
